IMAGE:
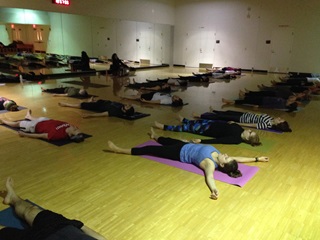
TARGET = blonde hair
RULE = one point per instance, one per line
(253, 140)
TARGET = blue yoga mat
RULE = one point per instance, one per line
(8, 218)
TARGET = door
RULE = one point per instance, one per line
(281, 45)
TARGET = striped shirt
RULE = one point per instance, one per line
(263, 121)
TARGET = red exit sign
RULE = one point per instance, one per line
(61, 2)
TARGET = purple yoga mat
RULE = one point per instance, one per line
(247, 171)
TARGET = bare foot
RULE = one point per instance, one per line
(91, 99)
(21, 69)
(152, 134)
(117, 149)
(180, 118)
(10, 196)
(28, 115)
(283, 79)
(112, 146)
(158, 125)
(273, 82)
(241, 94)
(61, 104)
(195, 115)
(227, 102)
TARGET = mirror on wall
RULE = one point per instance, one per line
(24, 37)
(69, 34)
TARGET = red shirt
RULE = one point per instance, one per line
(55, 129)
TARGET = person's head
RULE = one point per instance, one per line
(176, 101)
(10, 105)
(83, 92)
(250, 137)
(204, 79)
(228, 165)
(292, 107)
(114, 56)
(165, 87)
(127, 109)
(84, 54)
(280, 124)
(75, 134)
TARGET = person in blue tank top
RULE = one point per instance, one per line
(206, 157)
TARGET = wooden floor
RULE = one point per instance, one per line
(129, 197)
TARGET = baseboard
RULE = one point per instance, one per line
(179, 65)
(254, 70)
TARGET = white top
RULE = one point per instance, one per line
(163, 97)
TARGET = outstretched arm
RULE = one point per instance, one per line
(153, 102)
(60, 95)
(155, 88)
(208, 167)
(103, 114)
(251, 159)
(90, 232)
(33, 135)
(253, 125)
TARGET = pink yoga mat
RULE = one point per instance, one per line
(247, 171)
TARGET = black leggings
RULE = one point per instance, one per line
(55, 90)
(223, 115)
(170, 149)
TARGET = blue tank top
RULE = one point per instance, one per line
(196, 153)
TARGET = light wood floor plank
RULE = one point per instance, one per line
(129, 197)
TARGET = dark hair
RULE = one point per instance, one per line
(292, 107)
(11, 106)
(283, 127)
(177, 103)
(231, 168)
(114, 56)
(129, 112)
(183, 82)
(77, 138)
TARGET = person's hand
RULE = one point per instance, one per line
(263, 159)
(143, 100)
(21, 133)
(196, 140)
(214, 195)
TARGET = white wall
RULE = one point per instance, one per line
(243, 28)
